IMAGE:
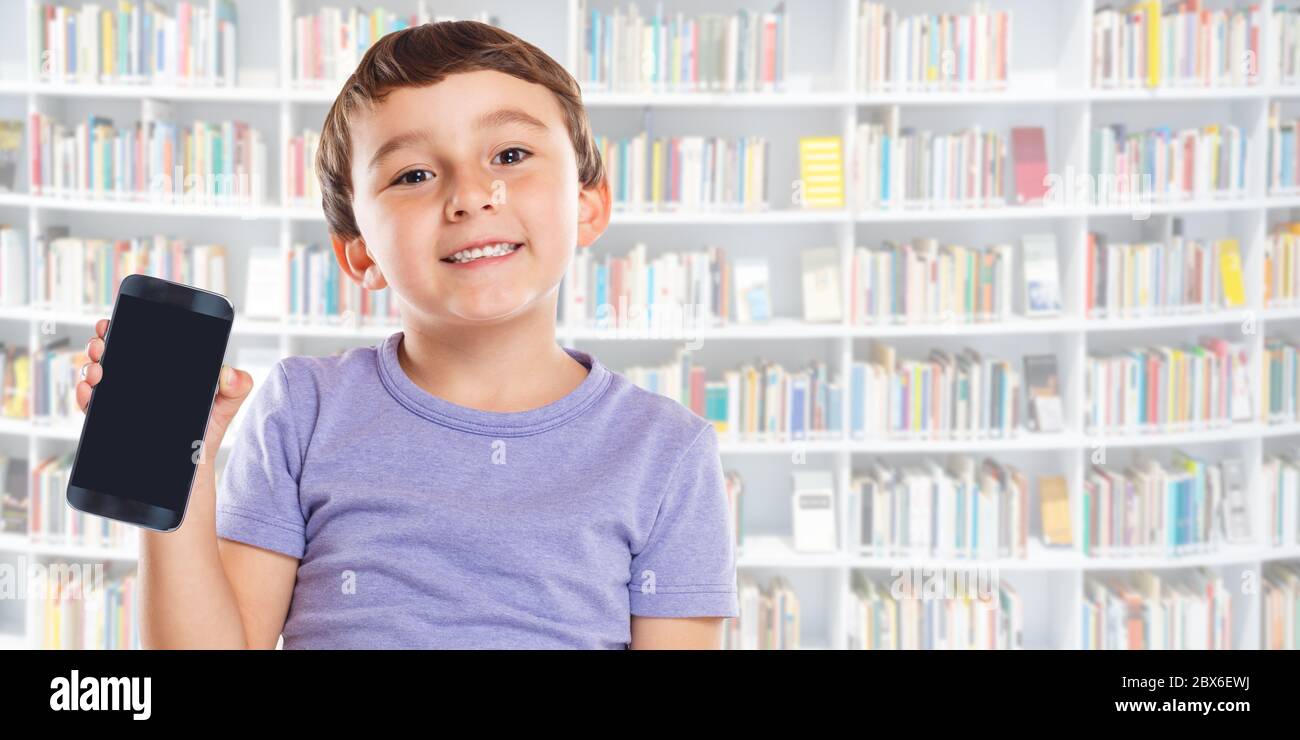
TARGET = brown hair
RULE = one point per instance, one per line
(426, 54)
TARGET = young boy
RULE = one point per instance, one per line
(467, 482)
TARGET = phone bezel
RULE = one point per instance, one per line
(131, 511)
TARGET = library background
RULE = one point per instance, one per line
(995, 305)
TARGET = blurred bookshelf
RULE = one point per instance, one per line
(821, 91)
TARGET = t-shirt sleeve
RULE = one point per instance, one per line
(687, 567)
(257, 492)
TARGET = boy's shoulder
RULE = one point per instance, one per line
(318, 373)
(655, 414)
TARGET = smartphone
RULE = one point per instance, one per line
(144, 426)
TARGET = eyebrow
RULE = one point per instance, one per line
(493, 119)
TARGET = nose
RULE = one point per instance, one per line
(473, 192)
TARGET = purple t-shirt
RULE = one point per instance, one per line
(420, 523)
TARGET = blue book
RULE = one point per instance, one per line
(833, 409)
(798, 395)
(858, 381)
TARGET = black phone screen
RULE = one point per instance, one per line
(148, 413)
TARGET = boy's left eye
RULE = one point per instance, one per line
(512, 149)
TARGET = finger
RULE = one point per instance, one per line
(92, 373)
(235, 383)
(83, 394)
(95, 348)
(101, 327)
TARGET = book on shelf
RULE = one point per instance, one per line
(301, 184)
(1167, 164)
(317, 292)
(221, 163)
(897, 166)
(1054, 511)
(95, 613)
(962, 395)
(821, 284)
(686, 173)
(11, 147)
(927, 52)
(1161, 278)
(328, 44)
(753, 297)
(1278, 393)
(1280, 477)
(1168, 388)
(1041, 274)
(56, 369)
(13, 266)
(1283, 155)
(83, 274)
(813, 511)
(1285, 43)
(769, 616)
(1281, 606)
(137, 42)
(1029, 151)
(921, 282)
(821, 172)
(16, 402)
(1184, 44)
(759, 401)
(1156, 610)
(1043, 386)
(968, 509)
(1282, 265)
(1154, 509)
(628, 50)
(13, 495)
(671, 292)
(887, 613)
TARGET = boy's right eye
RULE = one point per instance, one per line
(402, 179)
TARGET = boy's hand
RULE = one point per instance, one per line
(234, 388)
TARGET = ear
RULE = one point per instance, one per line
(593, 212)
(355, 262)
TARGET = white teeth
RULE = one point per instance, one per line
(493, 250)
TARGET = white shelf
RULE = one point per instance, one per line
(1060, 91)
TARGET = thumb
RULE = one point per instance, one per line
(234, 387)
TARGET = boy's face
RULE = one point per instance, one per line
(475, 167)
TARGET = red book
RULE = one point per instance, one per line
(1091, 290)
(36, 154)
(1029, 149)
(697, 390)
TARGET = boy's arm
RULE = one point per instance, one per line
(263, 582)
(676, 633)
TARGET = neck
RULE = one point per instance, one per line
(482, 366)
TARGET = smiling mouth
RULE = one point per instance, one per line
(484, 254)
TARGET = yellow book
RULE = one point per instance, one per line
(821, 171)
(1230, 266)
(1153, 42)
(106, 43)
(1268, 278)
(1054, 504)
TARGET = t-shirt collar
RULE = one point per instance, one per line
(493, 423)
